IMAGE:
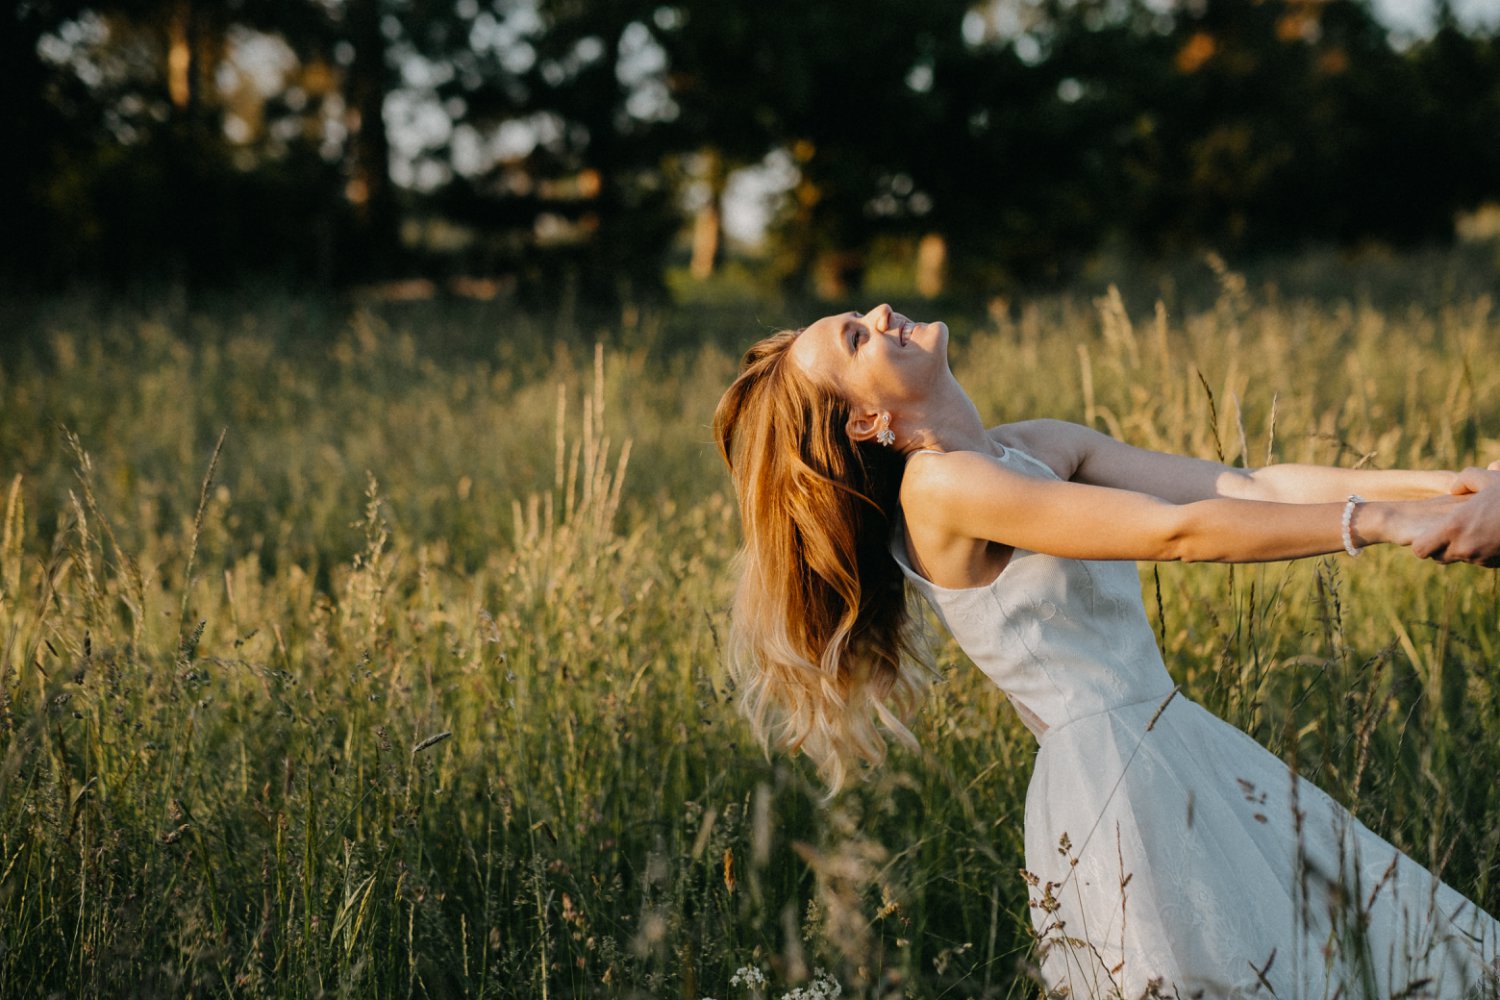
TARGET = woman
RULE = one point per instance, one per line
(1168, 853)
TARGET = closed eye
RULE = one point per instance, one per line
(857, 336)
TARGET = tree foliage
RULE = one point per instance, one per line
(580, 141)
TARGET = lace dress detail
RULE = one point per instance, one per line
(1168, 851)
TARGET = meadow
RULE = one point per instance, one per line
(373, 650)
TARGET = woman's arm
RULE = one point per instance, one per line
(968, 495)
(1087, 456)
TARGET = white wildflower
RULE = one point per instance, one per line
(822, 987)
(749, 976)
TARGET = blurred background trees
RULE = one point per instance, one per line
(521, 145)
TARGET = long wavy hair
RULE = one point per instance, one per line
(824, 646)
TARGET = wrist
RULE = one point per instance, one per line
(1371, 523)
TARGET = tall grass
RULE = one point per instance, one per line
(413, 688)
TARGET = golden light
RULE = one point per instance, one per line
(1199, 49)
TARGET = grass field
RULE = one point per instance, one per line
(412, 686)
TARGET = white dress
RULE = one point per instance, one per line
(1168, 850)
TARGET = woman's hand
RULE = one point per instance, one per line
(1473, 479)
(1471, 533)
(1404, 522)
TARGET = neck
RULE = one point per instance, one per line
(948, 421)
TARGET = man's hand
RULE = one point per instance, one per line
(1472, 533)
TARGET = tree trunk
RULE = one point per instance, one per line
(708, 221)
(193, 53)
(37, 135)
(932, 262)
(369, 189)
(180, 57)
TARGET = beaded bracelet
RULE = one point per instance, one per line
(1348, 523)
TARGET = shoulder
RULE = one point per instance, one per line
(941, 489)
(1059, 444)
(942, 499)
(931, 474)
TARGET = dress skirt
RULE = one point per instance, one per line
(1170, 854)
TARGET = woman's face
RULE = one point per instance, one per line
(875, 361)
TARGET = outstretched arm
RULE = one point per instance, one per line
(1086, 456)
(969, 495)
(1472, 532)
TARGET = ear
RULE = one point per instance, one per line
(864, 423)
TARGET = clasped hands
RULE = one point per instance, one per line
(1472, 532)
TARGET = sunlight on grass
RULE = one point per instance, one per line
(416, 690)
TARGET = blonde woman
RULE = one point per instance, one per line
(1170, 852)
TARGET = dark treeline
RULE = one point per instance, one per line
(592, 142)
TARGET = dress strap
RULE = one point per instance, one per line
(1043, 467)
(933, 451)
(1005, 453)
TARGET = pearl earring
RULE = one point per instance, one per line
(885, 435)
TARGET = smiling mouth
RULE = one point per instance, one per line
(907, 329)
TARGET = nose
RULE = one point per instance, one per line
(880, 317)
